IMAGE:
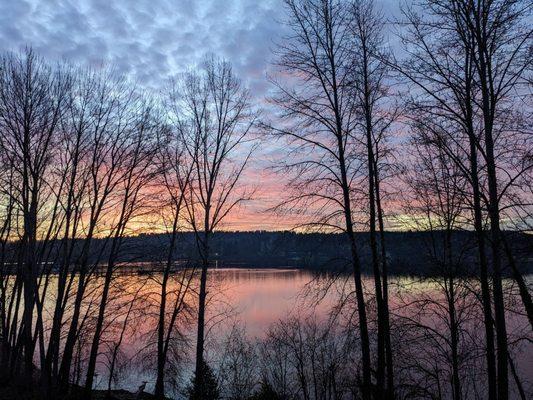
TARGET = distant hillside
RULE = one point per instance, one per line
(408, 252)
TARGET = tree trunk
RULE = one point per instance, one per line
(356, 264)
(483, 262)
(488, 109)
(66, 362)
(91, 367)
(499, 301)
(384, 272)
(201, 312)
(159, 392)
(380, 373)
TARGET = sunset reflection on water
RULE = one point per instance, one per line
(255, 299)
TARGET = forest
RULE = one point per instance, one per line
(414, 159)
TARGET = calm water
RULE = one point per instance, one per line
(255, 299)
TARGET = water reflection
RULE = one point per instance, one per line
(260, 298)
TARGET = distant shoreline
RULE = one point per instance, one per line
(407, 252)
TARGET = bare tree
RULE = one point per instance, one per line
(175, 174)
(501, 50)
(108, 123)
(72, 170)
(438, 190)
(319, 111)
(8, 285)
(378, 114)
(215, 121)
(137, 139)
(304, 358)
(32, 99)
(238, 368)
(444, 79)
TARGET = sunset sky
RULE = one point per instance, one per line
(153, 40)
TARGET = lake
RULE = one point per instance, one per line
(255, 299)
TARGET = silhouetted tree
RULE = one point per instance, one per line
(204, 385)
(215, 121)
(175, 172)
(446, 68)
(377, 114)
(319, 114)
(33, 95)
(137, 137)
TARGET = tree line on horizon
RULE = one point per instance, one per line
(438, 132)
(317, 251)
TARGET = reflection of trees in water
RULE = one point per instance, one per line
(307, 356)
(245, 275)
(129, 336)
(426, 353)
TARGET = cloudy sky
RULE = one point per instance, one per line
(147, 39)
(151, 40)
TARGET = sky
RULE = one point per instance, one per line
(149, 40)
(153, 40)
